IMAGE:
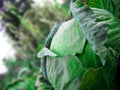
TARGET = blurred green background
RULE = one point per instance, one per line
(27, 24)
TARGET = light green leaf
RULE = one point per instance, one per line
(65, 73)
(68, 39)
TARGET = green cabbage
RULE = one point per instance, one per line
(84, 52)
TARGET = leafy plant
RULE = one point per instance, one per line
(84, 52)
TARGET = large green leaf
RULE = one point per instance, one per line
(112, 6)
(74, 43)
(102, 78)
(101, 29)
(68, 39)
(95, 32)
(65, 73)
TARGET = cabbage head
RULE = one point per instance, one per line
(83, 51)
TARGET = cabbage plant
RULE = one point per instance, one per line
(83, 52)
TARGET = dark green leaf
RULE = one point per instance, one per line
(102, 78)
(88, 58)
(113, 6)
